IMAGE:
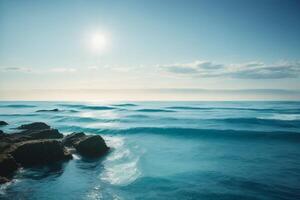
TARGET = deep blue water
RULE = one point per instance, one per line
(167, 150)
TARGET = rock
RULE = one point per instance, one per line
(53, 110)
(3, 180)
(3, 123)
(4, 145)
(8, 165)
(1, 132)
(91, 146)
(34, 126)
(43, 134)
(14, 138)
(38, 152)
(71, 139)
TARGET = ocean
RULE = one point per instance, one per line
(166, 150)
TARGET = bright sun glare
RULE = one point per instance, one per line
(98, 42)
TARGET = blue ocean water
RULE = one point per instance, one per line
(167, 150)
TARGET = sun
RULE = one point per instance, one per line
(98, 42)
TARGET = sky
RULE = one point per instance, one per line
(94, 45)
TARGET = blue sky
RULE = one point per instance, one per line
(149, 44)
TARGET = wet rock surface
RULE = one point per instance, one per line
(38, 144)
(38, 152)
(71, 139)
(91, 146)
(34, 126)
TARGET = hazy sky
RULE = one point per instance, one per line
(85, 44)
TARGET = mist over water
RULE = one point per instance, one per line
(167, 150)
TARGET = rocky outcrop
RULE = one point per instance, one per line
(71, 139)
(3, 123)
(7, 165)
(38, 152)
(3, 180)
(38, 144)
(43, 134)
(34, 126)
(91, 146)
(86, 145)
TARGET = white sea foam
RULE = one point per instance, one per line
(121, 174)
(121, 166)
(76, 157)
(282, 117)
(95, 194)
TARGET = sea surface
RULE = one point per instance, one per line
(166, 150)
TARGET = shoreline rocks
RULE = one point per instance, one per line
(39, 144)
(3, 123)
(34, 126)
(8, 165)
(40, 151)
(86, 145)
(91, 146)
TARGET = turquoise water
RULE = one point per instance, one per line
(167, 150)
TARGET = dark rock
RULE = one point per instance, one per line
(3, 180)
(8, 165)
(1, 132)
(4, 144)
(34, 126)
(38, 152)
(43, 134)
(53, 110)
(14, 138)
(91, 146)
(70, 140)
(3, 123)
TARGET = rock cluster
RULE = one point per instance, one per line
(3, 123)
(38, 144)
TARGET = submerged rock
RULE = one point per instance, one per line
(71, 139)
(34, 126)
(91, 146)
(38, 152)
(3, 123)
(51, 110)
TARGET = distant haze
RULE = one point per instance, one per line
(121, 50)
(150, 95)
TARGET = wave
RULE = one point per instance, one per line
(83, 119)
(138, 116)
(88, 107)
(18, 106)
(194, 133)
(260, 121)
(154, 110)
(295, 111)
(125, 105)
(18, 115)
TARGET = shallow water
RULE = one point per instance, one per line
(167, 150)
